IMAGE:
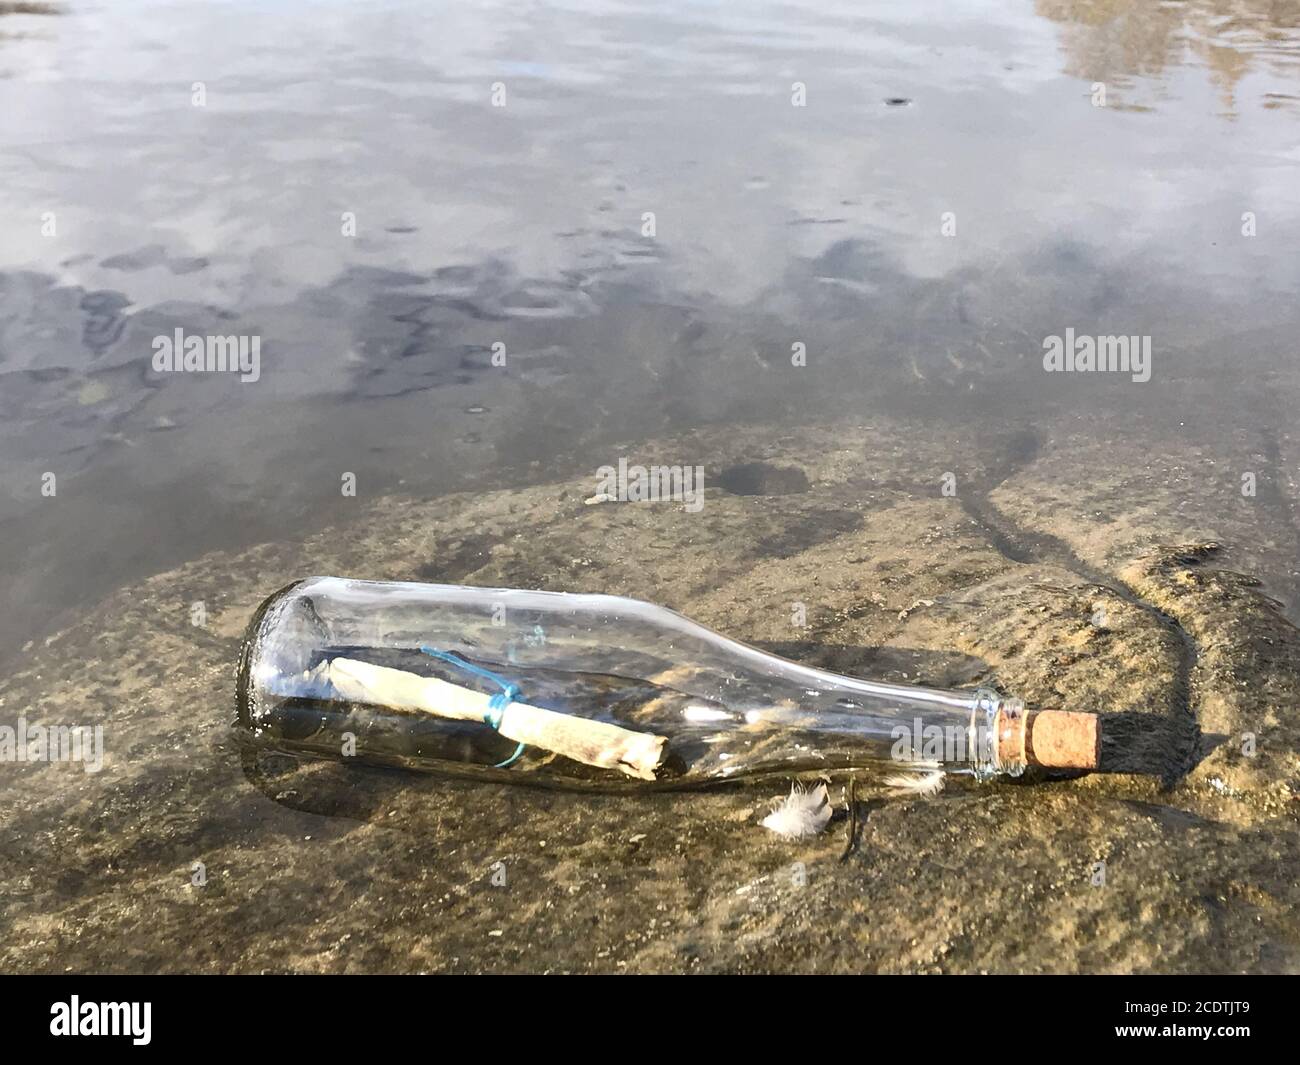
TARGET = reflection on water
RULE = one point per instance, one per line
(1118, 42)
(335, 180)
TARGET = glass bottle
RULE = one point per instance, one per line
(595, 691)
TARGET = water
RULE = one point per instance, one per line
(129, 212)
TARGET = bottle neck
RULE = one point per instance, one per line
(986, 738)
(979, 732)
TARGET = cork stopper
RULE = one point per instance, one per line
(1060, 739)
(1054, 739)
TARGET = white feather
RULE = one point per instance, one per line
(924, 782)
(800, 814)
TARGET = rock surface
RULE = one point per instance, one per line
(1076, 575)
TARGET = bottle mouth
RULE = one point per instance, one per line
(996, 736)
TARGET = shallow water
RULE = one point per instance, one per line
(335, 181)
(522, 225)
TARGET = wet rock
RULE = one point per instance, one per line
(186, 853)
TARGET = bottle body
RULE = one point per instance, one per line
(579, 690)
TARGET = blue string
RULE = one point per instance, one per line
(496, 705)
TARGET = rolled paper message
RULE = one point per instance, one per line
(591, 742)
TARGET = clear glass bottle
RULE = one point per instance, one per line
(592, 690)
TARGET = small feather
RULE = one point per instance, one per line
(923, 782)
(801, 814)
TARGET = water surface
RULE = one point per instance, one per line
(129, 212)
